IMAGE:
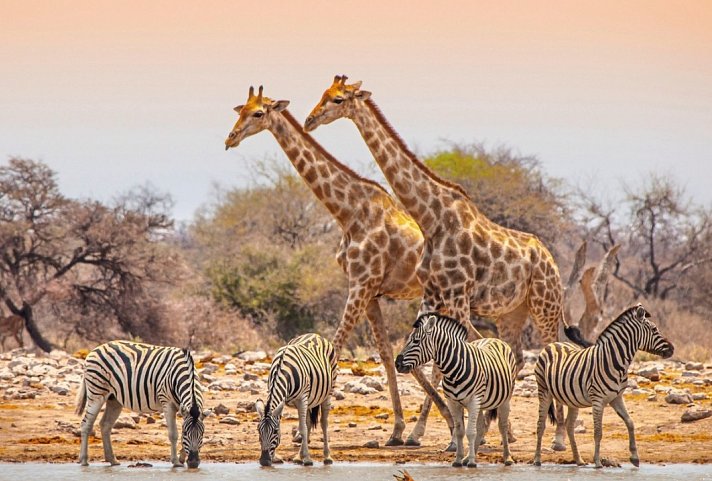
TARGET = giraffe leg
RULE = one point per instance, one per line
(432, 397)
(111, 414)
(385, 350)
(619, 406)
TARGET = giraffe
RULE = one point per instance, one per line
(469, 263)
(380, 244)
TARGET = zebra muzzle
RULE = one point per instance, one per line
(265, 459)
(193, 459)
(400, 367)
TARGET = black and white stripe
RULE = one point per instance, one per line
(302, 375)
(143, 378)
(595, 376)
(478, 376)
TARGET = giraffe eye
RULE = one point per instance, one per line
(338, 100)
(258, 114)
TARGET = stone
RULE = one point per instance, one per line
(248, 376)
(678, 396)
(356, 387)
(382, 416)
(653, 397)
(694, 366)
(579, 428)
(375, 427)
(338, 395)
(632, 383)
(125, 422)
(223, 385)
(690, 374)
(372, 382)
(699, 396)
(662, 389)
(150, 420)
(246, 405)
(351, 424)
(61, 389)
(221, 409)
(231, 420)
(252, 356)
(209, 368)
(651, 373)
(695, 414)
(371, 444)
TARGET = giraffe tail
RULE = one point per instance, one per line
(575, 335)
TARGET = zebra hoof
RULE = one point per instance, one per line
(471, 464)
(328, 461)
(557, 446)
(308, 462)
(412, 442)
(509, 462)
(456, 464)
(635, 461)
(451, 448)
(396, 442)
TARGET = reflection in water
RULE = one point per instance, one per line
(351, 472)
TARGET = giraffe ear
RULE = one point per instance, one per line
(238, 108)
(280, 105)
(362, 94)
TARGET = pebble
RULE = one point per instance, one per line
(383, 416)
(375, 427)
(694, 366)
(221, 409)
(338, 394)
(371, 444)
(230, 420)
(125, 422)
(695, 414)
(351, 424)
(690, 374)
(252, 356)
(651, 373)
(677, 396)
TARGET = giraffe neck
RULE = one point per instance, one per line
(334, 184)
(421, 192)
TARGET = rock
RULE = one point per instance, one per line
(338, 394)
(252, 356)
(351, 424)
(662, 389)
(651, 373)
(230, 420)
(221, 409)
(253, 386)
(579, 428)
(136, 418)
(248, 376)
(6, 375)
(61, 389)
(140, 465)
(699, 396)
(125, 422)
(694, 366)
(356, 387)
(248, 406)
(412, 419)
(371, 444)
(150, 420)
(223, 385)
(230, 369)
(695, 414)
(690, 374)
(632, 383)
(375, 427)
(678, 396)
(653, 397)
(357, 370)
(382, 416)
(372, 382)
(208, 368)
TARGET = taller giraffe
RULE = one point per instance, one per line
(469, 263)
(380, 244)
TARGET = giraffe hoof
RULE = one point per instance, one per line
(395, 442)
(451, 448)
(412, 442)
(537, 463)
(557, 446)
(509, 462)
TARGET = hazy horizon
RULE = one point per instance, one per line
(114, 95)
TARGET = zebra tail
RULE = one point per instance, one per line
(313, 417)
(552, 414)
(574, 334)
(81, 399)
(491, 415)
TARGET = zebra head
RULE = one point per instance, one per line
(268, 429)
(420, 347)
(193, 430)
(650, 338)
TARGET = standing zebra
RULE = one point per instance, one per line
(142, 378)
(595, 377)
(478, 376)
(302, 375)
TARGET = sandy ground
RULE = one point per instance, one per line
(40, 429)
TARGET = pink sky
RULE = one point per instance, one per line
(111, 94)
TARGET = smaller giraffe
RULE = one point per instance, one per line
(380, 245)
(11, 325)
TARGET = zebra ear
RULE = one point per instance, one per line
(429, 323)
(640, 312)
(260, 408)
(277, 413)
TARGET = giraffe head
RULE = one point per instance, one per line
(337, 102)
(255, 116)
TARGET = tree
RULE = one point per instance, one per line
(510, 190)
(665, 236)
(99, 259)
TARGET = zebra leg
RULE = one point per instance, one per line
(303, 457)
(169, 412)
(503, 424)
(597, 431)
(570, 423)
(92, 411)
(385, 350)
(475, 431)
(325, 406)
(545, 400)
(111, 414)
(458, 416)
(619, 406)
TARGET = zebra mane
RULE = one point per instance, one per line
(623, 317)
(441, 319)
(273, 373)
(194, 409)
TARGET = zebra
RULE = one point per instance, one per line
(143, 378)
(595, 376)
(478, 376)
(302, 375)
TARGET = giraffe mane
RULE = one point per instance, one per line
(316, 145)
(401, 143)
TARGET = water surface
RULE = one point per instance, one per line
(349, 472)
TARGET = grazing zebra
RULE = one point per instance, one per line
(595, 376)
(142, 378)
(478, 376)
(302, 375)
